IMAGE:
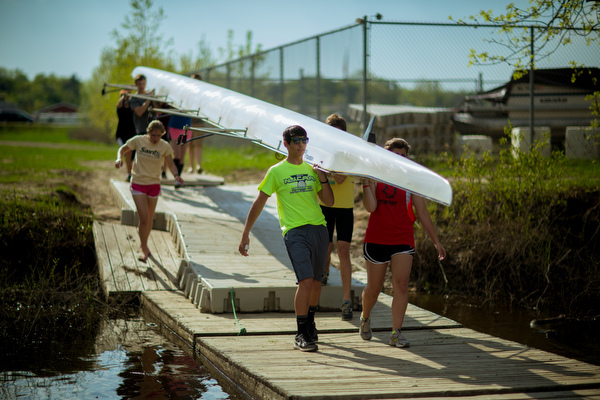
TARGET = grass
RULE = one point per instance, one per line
(583, 173)
(38, 161)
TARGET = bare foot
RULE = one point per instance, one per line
(144, 258)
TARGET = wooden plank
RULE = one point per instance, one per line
(590, 394)
(161, 262)
(127, 244)
(176, 308)
(130, 274)
(104, 264)
(121, 282)
(439, 363)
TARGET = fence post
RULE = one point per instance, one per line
(228, 79)
(281, 77)
(252, 83)
(318, 77)
(365, 117)
(531, 89)
(301, 91)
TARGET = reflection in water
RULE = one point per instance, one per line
(129, 360)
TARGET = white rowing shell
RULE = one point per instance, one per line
(332, 149)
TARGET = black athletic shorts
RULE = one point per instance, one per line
(340, 219)
(307, 248)
(382, 253)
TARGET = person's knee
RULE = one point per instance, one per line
(305, 284)
(371, 290)
(343, 248)
(400, 286)
(144, 220)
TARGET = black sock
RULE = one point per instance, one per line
(179, 168)
(311, 314)
(301, 321)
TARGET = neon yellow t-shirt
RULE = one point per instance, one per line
(149, 159)
(296, 187)
(342, 193)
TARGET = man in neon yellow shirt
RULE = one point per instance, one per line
(298, 185)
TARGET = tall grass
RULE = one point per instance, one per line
(49, 287)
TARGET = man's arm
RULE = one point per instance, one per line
(140, 110)
(325, 194)
(253, 214)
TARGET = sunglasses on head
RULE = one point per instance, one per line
(297, 140)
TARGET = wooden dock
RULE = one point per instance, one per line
(187, 290)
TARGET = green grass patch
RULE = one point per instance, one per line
(39, 133)
(226, 160)
(582, 173)
(36, 164)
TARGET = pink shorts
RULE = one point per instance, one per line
(175, 133)
(148, 190)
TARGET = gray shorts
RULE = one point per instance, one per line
(307, 248)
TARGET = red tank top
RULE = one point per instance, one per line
(391, 222)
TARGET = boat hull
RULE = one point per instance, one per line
(330, 148)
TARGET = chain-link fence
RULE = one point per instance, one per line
(410, 75)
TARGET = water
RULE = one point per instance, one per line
(129, 359)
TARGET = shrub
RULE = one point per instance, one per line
(517, 232)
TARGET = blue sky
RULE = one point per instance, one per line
(66, 37)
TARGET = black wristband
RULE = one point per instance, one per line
(324, 181)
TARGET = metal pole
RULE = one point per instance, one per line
(281, 78)
(301, 89)
(228, 77)
(252, 77)
(318, 83)
(365, 117)
(531, 90)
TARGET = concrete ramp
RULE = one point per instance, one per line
(206, 225)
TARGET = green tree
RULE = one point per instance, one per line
(139, 42)
(14, 87)
(43, 91)
(554, 24)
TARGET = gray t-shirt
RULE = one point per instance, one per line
(141, 123)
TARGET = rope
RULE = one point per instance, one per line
(237, 321)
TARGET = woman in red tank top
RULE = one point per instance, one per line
(389, 239)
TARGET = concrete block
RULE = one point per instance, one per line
(473, 144)
(582, 142)
(521, 139)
